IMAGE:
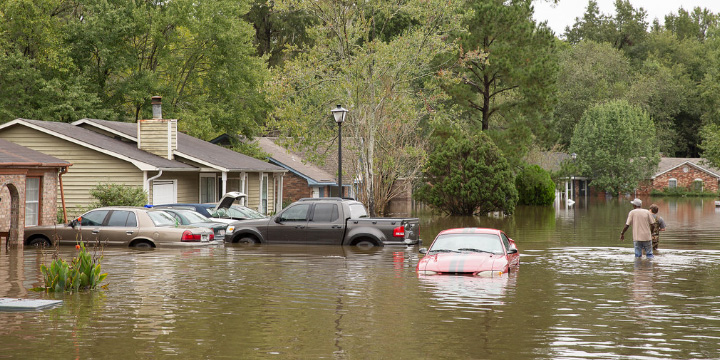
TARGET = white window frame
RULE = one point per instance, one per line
(32, 219)
(672, 183)
(702, 184)
(200, 189)
(264, 189)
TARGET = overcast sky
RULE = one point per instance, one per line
(564, 13)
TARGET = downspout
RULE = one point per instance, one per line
(151, 179)
(62, 192)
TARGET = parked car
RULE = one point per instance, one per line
(194, 218)
(119, 225)
(224, 211)
(327, 221)
(470, 251)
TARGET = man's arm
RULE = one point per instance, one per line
(662, 223)
(622, 233)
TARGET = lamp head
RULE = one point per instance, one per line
(339, 114)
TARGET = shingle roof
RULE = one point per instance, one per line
(193, 148)
(12, 154)
(99, 142)
(295, 163)
(668, 163)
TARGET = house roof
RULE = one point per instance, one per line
(295, 163)
(668, 163)
(12, 154)
(190, 148)
(101, 143)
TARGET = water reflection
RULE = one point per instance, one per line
(467, 293)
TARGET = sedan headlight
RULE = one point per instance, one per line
(230, 229)
(427, 272)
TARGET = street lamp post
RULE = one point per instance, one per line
(339, 113)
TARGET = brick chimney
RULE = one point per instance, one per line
(157, 135)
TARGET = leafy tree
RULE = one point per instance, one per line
(534, 186)
(624, 31)
(616, 146)
(505, 61)
(118, 195)
(380, 79)
(691, 25)
(711, 144)
(467, 175)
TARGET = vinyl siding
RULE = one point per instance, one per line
(89, 167)
(187, 185)
(254, 192)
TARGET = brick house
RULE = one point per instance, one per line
(29, 185)
(688, 173)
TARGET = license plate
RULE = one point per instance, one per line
(221, 232)
(204, 238)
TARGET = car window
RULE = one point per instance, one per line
(505, 241)
(325, 213)
(239, 211)
(94, 218)
(454, 242)
(177, 217)
(358, 211)
(194, 217)
(296, 213)
(122, 218)
(161, 218)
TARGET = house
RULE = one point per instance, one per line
(689, 173)
(171, 166)
(29, 185)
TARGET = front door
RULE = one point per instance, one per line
(290, 225)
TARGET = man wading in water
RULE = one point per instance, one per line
(641, 220)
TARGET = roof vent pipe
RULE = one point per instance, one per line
(157, 107)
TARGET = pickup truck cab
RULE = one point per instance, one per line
(334, 221)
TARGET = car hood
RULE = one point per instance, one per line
(469, 262)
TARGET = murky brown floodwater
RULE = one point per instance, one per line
(579, 294)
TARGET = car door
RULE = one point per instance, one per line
(120, 227)
(89, 227)
(289, 226)
(513, 259)
(325, 225)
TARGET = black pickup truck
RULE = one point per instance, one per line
(327, 221)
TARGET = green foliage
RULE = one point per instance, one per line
(118, 195)
(616, 147)
(682, 192)
(711, 144)
(468, 175)
(534, 186)
(83, 273)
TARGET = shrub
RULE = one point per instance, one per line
(534, 186)
(118, 195)
(83, 273)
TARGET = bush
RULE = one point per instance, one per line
(534, 186)
(682, 192)
(118, 195)
(83, 273)
(468, 175)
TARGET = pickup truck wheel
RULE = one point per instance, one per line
(365, 244)
(247, 240)
(39, 242)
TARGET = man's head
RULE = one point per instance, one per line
(636, 203)
(654, 208)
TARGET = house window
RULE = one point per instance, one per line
(698, 185)
(32, 201)
(264, 194)
(207, 188)
(672, 183)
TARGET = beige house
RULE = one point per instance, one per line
(171, 166)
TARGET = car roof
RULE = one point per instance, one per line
(471, 230)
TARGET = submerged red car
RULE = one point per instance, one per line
(470, 251)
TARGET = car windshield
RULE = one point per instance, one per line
(161, 218)
(358, 211)
(193, 216)
(467, 242)
(239, 211)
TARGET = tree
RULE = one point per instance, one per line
(534, 186)
(118, 195)
(711, 144)
(616, 146)
(505, 61)
(624, 31)
(380, 79)
(467, 175)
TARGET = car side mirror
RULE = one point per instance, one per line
(278, 219)
(73, 223)
(423, 250)
(512, 251)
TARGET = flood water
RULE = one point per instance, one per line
(579, 294)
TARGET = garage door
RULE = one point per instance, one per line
(164, 192)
